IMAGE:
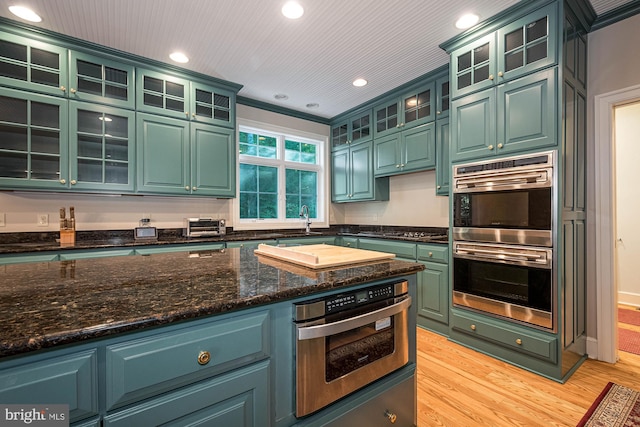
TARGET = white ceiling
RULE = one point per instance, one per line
(312, 60)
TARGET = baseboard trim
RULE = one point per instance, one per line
(629, 298)
(592, 348)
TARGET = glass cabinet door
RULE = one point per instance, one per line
(33, 65)
(101, 147)
(442, 98)
(418, 107)
(387, 118)
(339, 135)
(473, 66)
(33, 140)
(360, 126)
(212, 105)
(162, 94)
(101, 80)
(527, 44)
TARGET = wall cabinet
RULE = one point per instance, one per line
(352, 175)
(443, 164)
(408, 151)
(178, 157)
(415, 107)
(516, 116)
(443, 97)
(353, 129)
(517, 48)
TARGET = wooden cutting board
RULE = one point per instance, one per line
(321, 256)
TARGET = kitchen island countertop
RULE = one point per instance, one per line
(46, 304)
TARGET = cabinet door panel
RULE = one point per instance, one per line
(473, 66)
(162, 94)
(212, 105)
(340, 175)
(473, 126)
(213, 161)
(162, 155)
(387, 155)
(527, 112)
(361, 171)
(443, 165)
(97, 79)
(418, 148)
(433, 292)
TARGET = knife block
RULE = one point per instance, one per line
(67, 237)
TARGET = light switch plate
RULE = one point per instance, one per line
(43, 219)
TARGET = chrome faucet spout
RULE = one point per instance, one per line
(304, 213)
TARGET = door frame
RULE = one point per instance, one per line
(606, 286)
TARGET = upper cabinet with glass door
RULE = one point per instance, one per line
(518, 48)
(415, 107)
(353, 129)
(100, 80)
(32, 65)
(212, 105)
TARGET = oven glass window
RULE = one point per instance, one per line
(514, 284)
(522, 209)
(353, 349)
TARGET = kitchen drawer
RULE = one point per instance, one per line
(70, 380)
(511, 336)
(145, 367)
(239, 398)
(401, 249)
(436, 253)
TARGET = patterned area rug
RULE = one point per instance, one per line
(617, 406)
(630, 317)
(628, 341)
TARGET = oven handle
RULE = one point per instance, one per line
(514, 256)
(320, 331)
(507, 179)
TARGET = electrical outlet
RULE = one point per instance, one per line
(43, 219)
(2, 220)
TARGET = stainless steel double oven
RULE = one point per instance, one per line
(503, 254)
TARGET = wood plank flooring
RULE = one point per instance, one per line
(458, 387)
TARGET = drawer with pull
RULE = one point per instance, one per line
(144, 367)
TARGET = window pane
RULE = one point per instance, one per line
(252, 144)
(248, 205)
(267, 179)
(248, 178)
(268, 206)
(301, 190)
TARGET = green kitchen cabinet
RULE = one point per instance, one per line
(212, 105)
(433, 288)
(101, 148)
(101, 80)
(179, 247)
(353, 129)
(34, 150)
(33, 65)
(251, 244)
(443, 97)
(517, 48)
(443, 165)
(70, 379)
(176, 157)
(315, 240)
(73, 254)
(408, 151)
(516, 116)
(352, 175)
(19, 258)
(415, 107)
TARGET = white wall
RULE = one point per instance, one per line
(612, 65)
(627, 153)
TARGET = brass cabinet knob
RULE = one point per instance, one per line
(74, 182)
(519, 341)
(500, 145)
(62, 88)
(490, 147)
(193, 115)
(438, 112)
(204, 357)
(397, 166)
(73, 90)
(195, 188)
(473, 327)
(430, 254)
(186, 187)
(391, 416)
(439, 187)
(490, 76)
(500, 74)
(63, 181)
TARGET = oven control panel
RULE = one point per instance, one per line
(356, 298)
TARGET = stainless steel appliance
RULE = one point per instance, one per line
(346, 341)
(201, 227)
(503, 257)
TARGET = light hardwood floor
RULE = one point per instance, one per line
(459, 387)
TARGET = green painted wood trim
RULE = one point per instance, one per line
(26, 30)
(583, 11)
(281, 110)
(616, 15)
(494, 23)
(439, 72)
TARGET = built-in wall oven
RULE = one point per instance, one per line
(503, 258)
(347, 341)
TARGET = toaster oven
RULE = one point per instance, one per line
(201, 227)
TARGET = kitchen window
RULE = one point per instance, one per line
(280, 170)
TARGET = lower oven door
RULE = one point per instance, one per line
(515, 282)
(337, 358)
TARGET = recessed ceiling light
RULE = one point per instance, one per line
(359, 82)
(179, 57)
(281, 96)
(467, 21)
(292, 10)
(313, 105)
(25, 13)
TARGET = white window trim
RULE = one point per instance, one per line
(322, 168)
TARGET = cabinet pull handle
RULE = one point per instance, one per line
(500, 145)
(186, 113)
(439, 187)
(430, 254)
(490, 76)
(63, 181)
(397, 166)
(490, 147)
(438, 112)
(73, 90)
(519, 341)
(193, 115)
(473, 327)
(74, 182)
(401, 165)
(500, 74)
(391, 416)
(186, 187)
(62, 88)
(204, 357)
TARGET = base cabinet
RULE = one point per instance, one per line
(236, 399)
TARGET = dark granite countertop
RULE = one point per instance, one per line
(45, 304)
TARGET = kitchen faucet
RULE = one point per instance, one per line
(304, 213)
